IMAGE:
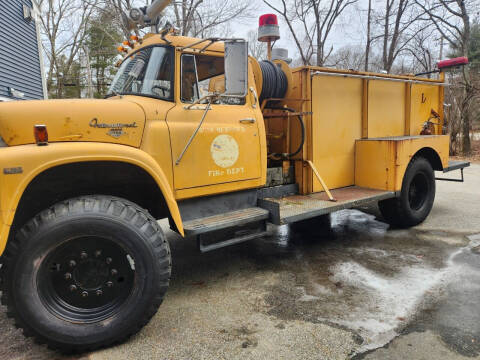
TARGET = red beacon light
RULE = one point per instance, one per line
(268, 30)
(268, 19)
(450, 63)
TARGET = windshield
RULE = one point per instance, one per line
(148, 72)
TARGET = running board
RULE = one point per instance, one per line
(290, 209)
(224, 220)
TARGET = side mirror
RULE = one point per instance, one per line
(236, 68)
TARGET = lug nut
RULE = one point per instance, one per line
(109, 284)
(83, 255)
(84, 294)
(67, 276)
(99, 292)
(114, 272)
(108, 260)
(72, 263)
(73, 288)
(98, 253)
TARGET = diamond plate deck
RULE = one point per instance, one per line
(225, 220)
(300, 207)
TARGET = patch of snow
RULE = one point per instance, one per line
(391, 300)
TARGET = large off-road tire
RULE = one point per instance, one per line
(416, 197)
(86, 273)
(320, 225)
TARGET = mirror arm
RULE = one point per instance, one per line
(196, 102)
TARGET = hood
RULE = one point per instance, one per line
(112, 120)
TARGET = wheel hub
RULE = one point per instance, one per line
(85, 279)
(91, 274)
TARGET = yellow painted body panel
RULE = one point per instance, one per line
(386, 108)
(381, 163)
(336, 124)
(35, 159)
(225, 149)
(424, 99)
(72, 120)
(346, 109)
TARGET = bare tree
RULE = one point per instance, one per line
(310, 23)
(452, 20)
(348, 57)
(64, 24)
(397, 23)
(420, 49)
(197, 18)
(368, 43)
(256, 48)
(203, 18)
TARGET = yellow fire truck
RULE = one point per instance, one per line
(219, 143)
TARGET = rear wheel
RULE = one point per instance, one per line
(416, 197)
(86, 273)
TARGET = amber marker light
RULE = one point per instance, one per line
(134, 38)
(122, 49)
(41, 134)
(128, 43)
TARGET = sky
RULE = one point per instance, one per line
(349, 30)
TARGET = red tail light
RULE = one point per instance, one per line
(41, 134)
(459, 61)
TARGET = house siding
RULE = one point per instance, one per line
(20, 66)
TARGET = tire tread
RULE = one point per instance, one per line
(115, 207)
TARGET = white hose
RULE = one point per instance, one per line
(156, 8)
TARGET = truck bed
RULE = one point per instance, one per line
(293, 208)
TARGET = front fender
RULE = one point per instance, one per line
(33, 160)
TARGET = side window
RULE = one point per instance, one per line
(159, 76)
(189, 79)
(203, 75)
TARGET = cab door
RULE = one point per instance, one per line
(226, 147)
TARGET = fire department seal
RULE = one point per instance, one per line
(224, 150)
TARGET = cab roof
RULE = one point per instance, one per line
(176, 41)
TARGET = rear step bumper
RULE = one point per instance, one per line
(456, 165)
(452, 166)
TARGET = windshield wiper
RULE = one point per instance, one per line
(113, 93)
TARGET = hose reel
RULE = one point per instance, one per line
(275, 83)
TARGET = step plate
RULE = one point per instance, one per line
(225, 220)
(294, 208)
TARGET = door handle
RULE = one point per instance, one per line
(247, 121)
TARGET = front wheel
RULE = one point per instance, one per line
(416, 197)
(86, 273)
